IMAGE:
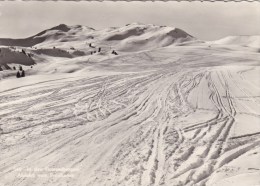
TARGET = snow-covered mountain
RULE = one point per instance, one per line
(73, 41)
(131, 37)
(183, 115)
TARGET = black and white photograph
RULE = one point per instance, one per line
(137, 93)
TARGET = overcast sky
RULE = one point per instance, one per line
(205, 20)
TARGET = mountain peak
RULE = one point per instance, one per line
(135, 23)
(61, 27)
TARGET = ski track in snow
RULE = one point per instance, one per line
(170, 125)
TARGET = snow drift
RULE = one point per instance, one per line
(249, 41)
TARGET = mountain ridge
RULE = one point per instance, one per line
(64, 33)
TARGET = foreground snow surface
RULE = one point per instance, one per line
(172, 116)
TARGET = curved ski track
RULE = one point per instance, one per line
(126, 129)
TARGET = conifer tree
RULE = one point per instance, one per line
(18, 74)
(23, 74)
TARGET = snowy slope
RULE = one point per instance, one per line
(8, 55)
(250, 41)
(136, 36)
(168, 110)
(181, 116)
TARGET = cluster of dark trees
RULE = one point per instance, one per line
(20, 72)
(99, 50)
(30, 55)
(4, 67)
(93, 52)
(114, 52)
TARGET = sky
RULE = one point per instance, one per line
(204, 20)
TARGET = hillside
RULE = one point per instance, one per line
(249, 41)
(180, 116)
(128, 38)
(11, 55)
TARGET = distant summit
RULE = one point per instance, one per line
(61, 27)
